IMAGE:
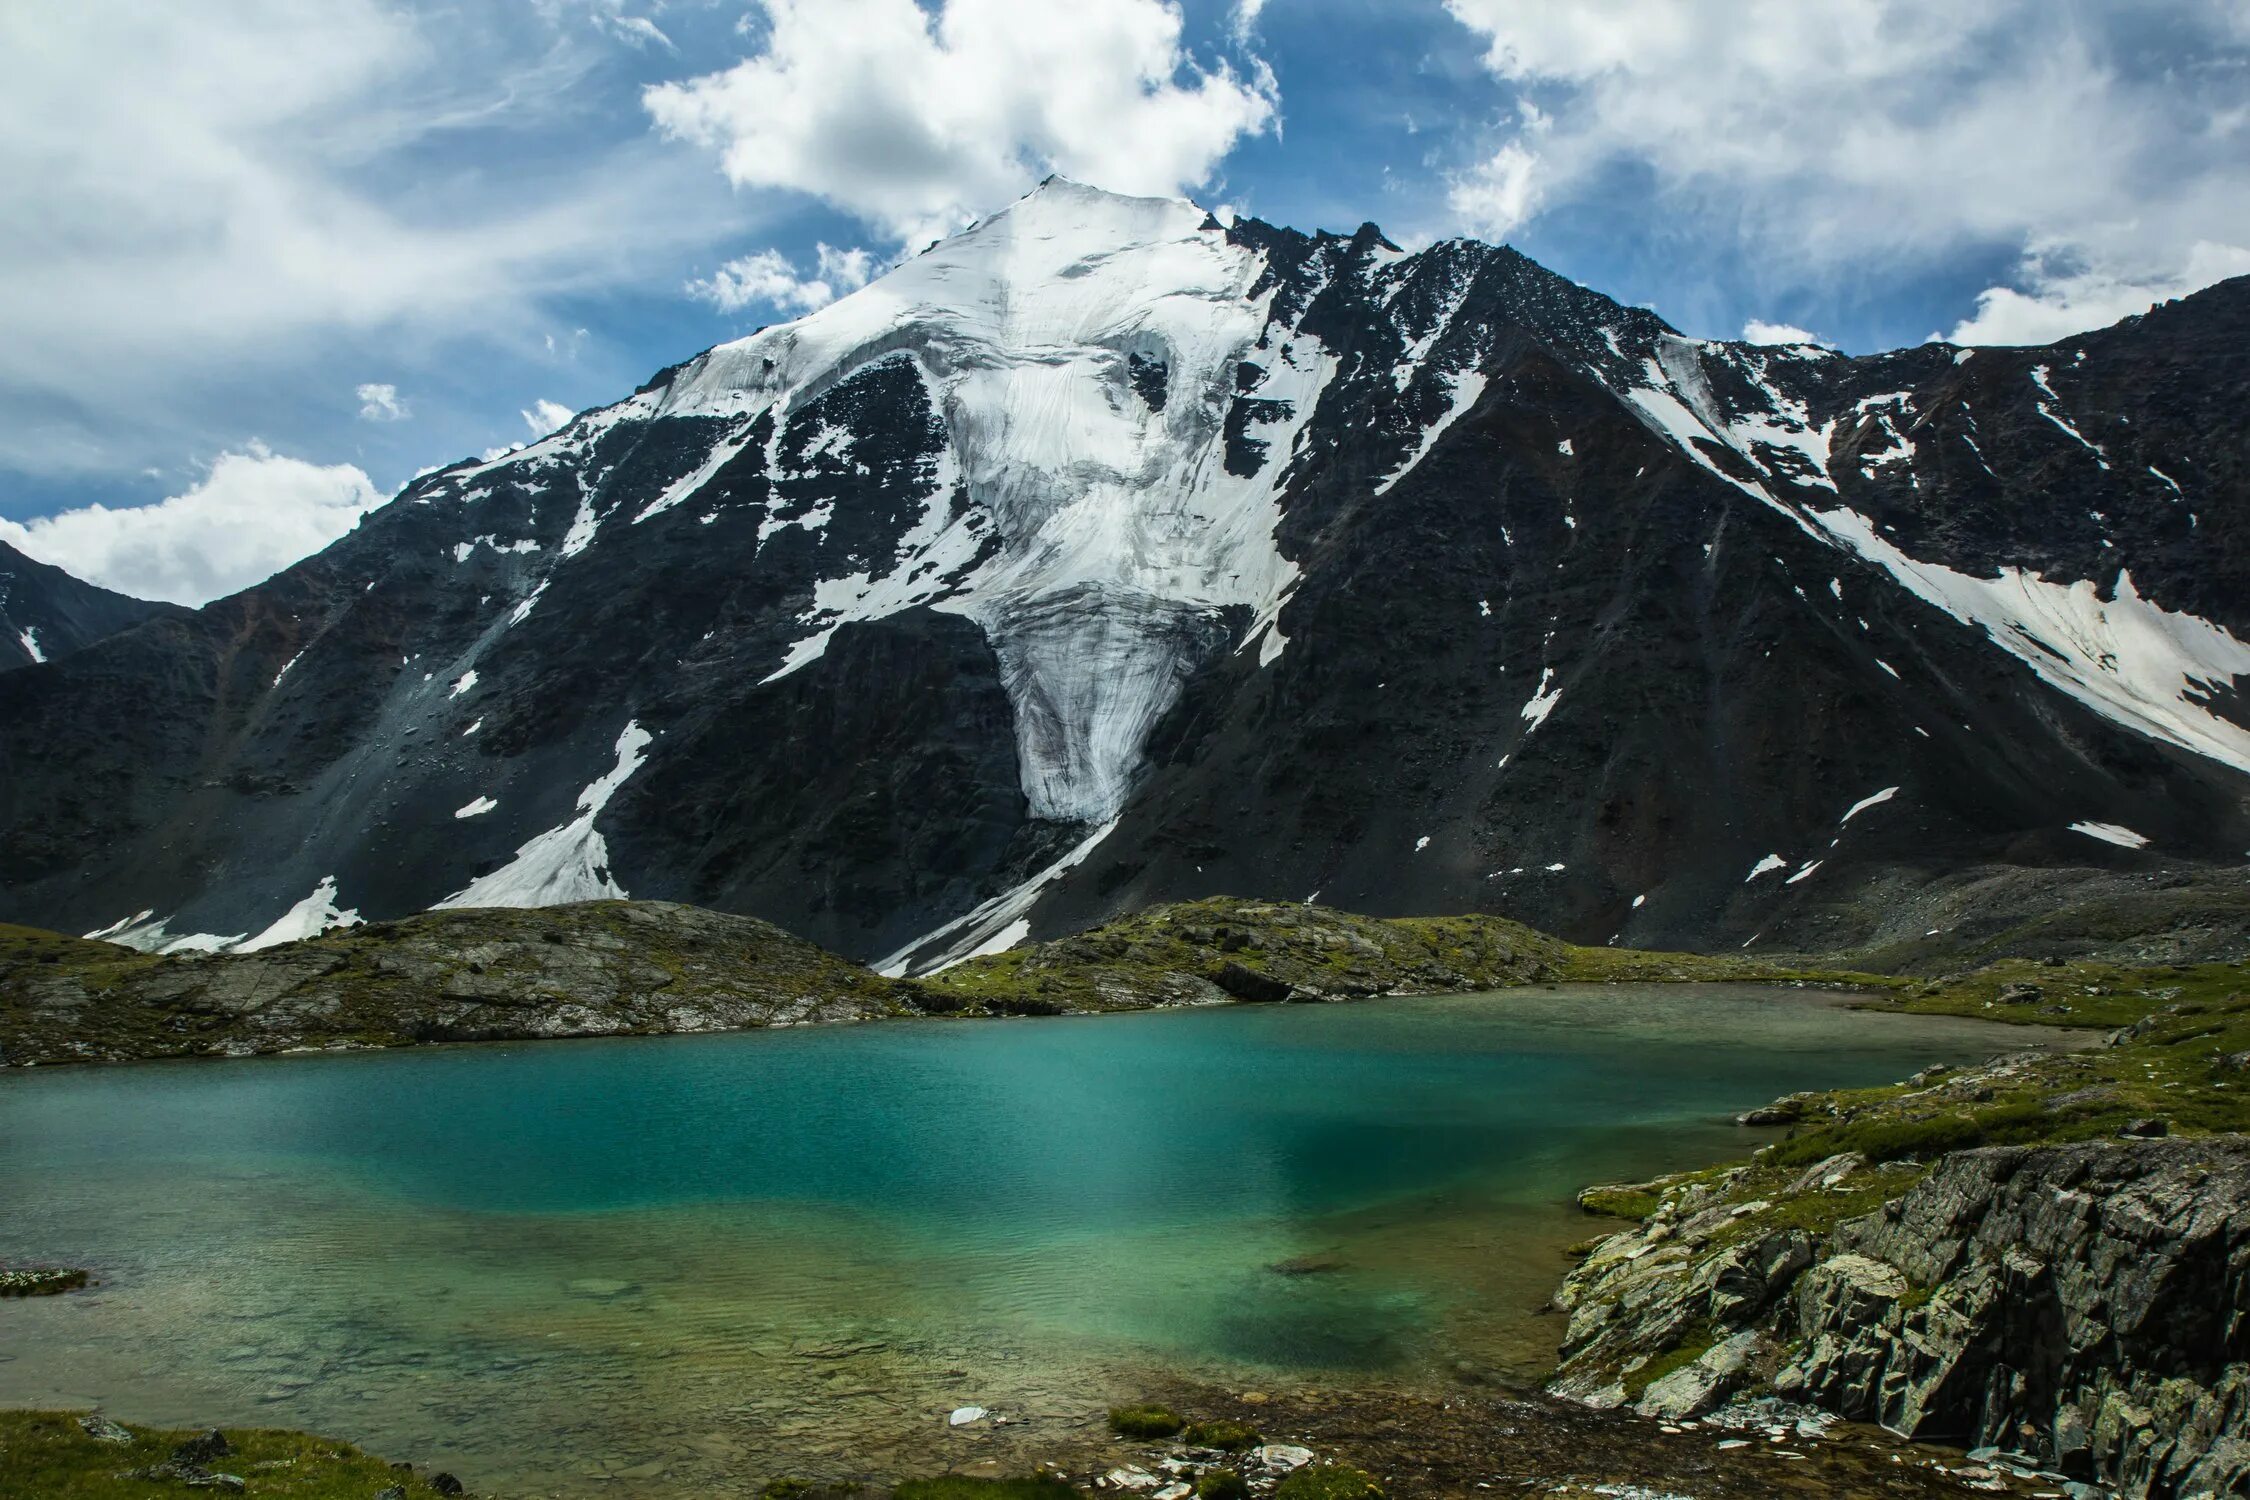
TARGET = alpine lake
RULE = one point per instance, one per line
(659, 1266)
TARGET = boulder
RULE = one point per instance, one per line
(1246, 983)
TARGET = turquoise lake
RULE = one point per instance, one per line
(655, 1266)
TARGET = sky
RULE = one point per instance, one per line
(262, 262)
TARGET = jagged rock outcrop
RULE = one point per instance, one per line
(2087, 1305)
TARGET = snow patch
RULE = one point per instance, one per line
(1876, 799)
(2047, 401)
(1766, 866)
(29, 640)
(995, 926)
(1543, 701)
(2112, 833)
(1463, 390)
(309, 918)
(569, 863)
(476, 809)
(2130, 660)
(462, 684)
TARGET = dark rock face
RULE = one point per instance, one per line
(2091, 1303)
(1413, 583)
(45, 614)
(2085, 1306)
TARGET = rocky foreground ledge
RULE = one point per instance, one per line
(2076, 1303)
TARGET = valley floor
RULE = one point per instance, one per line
(1722, 1287)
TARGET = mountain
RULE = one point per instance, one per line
(1108, 554)
(45, 613)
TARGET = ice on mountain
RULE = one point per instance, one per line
(1766, 866)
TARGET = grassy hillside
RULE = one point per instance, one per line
(1224, 947)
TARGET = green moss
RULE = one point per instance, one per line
(1227, 1436)
(1329, 1482)
(49, 1455)
(1144, 1421)
(1635, 1202)
(963, 1487)
(1221, 1484)
(1693, 1345)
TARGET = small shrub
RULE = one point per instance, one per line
(1221, 1484)
(1329, 1482)
(1226, 1436)
(1144, 1421)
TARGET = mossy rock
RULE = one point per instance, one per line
(1329, 1482)
(55, 1456)
(1221, 1484)
(963, 1487)
(1144, 1421)
(1225, 1435)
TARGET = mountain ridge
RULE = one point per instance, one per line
(46, 613)
(1107, 555)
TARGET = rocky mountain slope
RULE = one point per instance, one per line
(1106, 554)
(46, 614)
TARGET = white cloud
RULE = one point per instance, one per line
(1243, 24)
(545, 417)
(768, 277)
(2061, 302)
(2108, 135)
(199, 204)
(1759, 331)
(917, 122)
(255, 513)
(380, 403)
(1495, 197)
(846, 270)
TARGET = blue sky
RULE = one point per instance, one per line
(261, 262)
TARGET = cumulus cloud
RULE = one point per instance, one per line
(2062, 299)
(1759, 331)
(1497, 196)
(200, 203)
(380, 403)
(255, 513)
(2108, 137)
(545, 417)
(768, 277)
(915, 122)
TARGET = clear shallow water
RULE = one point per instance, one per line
(685, 1262)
